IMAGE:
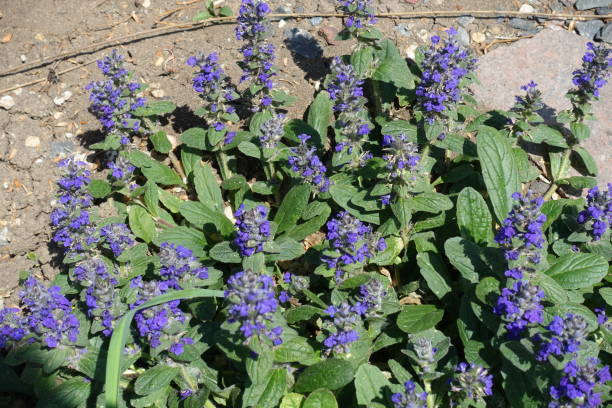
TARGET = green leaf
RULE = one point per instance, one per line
(151, 198)
(99, 188)
(587, 160)
(295, 349)
(433, 270)
(498, 170)
(274, 389)
(552, 290)
(202, 216)
(370, 384)
(283, 249)
(487, 286)
(301, 231)
(577, 271)
(300, 313)
(292, 207)
(332, 374)
(466, 257)
(156, 108)
(195, 138)
(579, 182)
(160, 142)
(202, 15)
(320, 398)
(141, 223)
(72, 393)
(223, 252)
(155, 378)
(119, 337)
(397, 127)
(580, 130)
(546, 134)
(250, 149)
(473, 216)
(207, 187)
(527, 171)
(292, 400)
(319, 117)
(362, 60)
(226, 11)
(152, 169)
(393, 68)
(402, 210)
(416, 318)
(430, 202)
(190, 238)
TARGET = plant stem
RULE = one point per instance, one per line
(226, 173)
(430, 396)
(565, 161)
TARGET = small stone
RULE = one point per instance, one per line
(423, 35)
(315, 21)
(465, 21)
(606, 34)
(32, 141)
(23, 58)
(39, 37)
(6, 38)
(411, 51)
(281, 23)
(478, 37)
(62, 148)
(526, 8)
(302, 43)
(4, 236)
(7, 102)
(557, 7)
(603, 11)
(60, 100)
(524, 25)
(158, 93)
(329, 35)
(402, 29)
(143, 3)
(463, 36)
(58, 115)
(286, 9)
(591, 4)
(589, 29)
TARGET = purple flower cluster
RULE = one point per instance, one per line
(178, 265)
(118, 237)
(345, 89)
(48, 313)
(253, 229)
(214, 88)
(272, 131)
(359, 13)
(444, 66)
(101, 298)
(258, 62)
(565, 336)
(521, 233)
(593, 74)
(253, 305)
(370, 298)
(527, 104)
(598, 214)
(121, 170)
(353, 241)
(578, 386)
(113, 100)
(345, 319)
(472, 381)
(74, 231)
(161, 325)
(402, 157)
(13, 327)
(308, 165)
(425, 354)
(409, 398)
(520, 306)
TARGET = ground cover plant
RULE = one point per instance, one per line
(345, 259)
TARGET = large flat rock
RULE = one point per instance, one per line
(549, 58)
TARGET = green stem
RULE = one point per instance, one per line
(376, 96)
(565, 162)
(430, 396)
(226, 173)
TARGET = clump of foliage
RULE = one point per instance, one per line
(367, 261)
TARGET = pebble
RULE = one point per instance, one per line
(606, 34)
(302, 43)
(281, 23)
(465, 21)
(32, 141)
(23, 58)
(423, 35)
(589, 29)
(315, 21)
(4, 236)
(411, 51)
(158, 93)
(402, 29)
(62, 148)
(7, 102)
(591, 4)
(329, 35)
(524, 25)
(526, 8)
(478, 37)
(284, 9)
(143, 3)
(557, 7)
(603, 10)
(463, 36)
(60, 100)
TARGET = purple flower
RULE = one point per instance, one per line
(118, 237)
(402, 158)
(308, 165)
(370, 298)
(593, 74)
(527, 104)
(520, 306)
(13, 326)
(341, 329)
(253, 305)
(48, 313)
(253, 229)
(272, 131)
(358, 14)
(565, 336)
(597, 216)
(178, 265)
(101, 297)
(353, 242)
(409, 398)
(444, 66)
(121, 170)
(578, 385)
(472, 381)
